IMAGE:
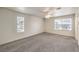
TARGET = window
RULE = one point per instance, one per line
(63, 24)
(20, 24)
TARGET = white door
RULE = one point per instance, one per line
(78, 26)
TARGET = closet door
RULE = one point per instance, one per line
(77, 24)
(76, 27)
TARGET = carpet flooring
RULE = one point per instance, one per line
(43, 42)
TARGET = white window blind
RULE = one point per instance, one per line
(63, 24)
(20, 24)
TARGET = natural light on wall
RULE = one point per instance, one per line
(20, 24)
(63, 24)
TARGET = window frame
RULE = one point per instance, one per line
(63, 18)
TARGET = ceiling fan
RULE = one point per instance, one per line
(49, 11)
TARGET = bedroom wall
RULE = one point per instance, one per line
(8, 33)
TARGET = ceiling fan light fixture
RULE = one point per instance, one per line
(48, 16)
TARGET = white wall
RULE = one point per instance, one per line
(50, 27)
(8, 33)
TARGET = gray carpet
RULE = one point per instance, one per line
(43, 42)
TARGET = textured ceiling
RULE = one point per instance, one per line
(43, 11)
